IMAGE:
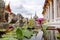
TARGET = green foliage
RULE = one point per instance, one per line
(30, 22)
(25, 27)
(58, 35)
(8, 39)
(9, 36)
(27, 33)
(19, 33)
(44, 28)
(44, 21)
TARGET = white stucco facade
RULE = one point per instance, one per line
(53, 13)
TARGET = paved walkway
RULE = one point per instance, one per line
(38, 37)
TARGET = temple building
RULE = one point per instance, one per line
(51, 12)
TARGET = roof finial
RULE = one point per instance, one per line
(7, 7)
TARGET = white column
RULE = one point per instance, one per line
(59, 8)
(47, 14)
(55, 10)
(50, 11)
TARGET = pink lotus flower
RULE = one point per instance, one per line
(40, 19)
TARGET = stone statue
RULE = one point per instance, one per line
(3, 23)
(2, 15)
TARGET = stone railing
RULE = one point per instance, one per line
(58, 19)
(52, 31)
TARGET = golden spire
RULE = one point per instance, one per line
(35, 15)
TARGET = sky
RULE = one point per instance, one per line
(27, 8)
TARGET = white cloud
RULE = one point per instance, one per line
(26, 7)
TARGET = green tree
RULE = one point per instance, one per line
(30, 22)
